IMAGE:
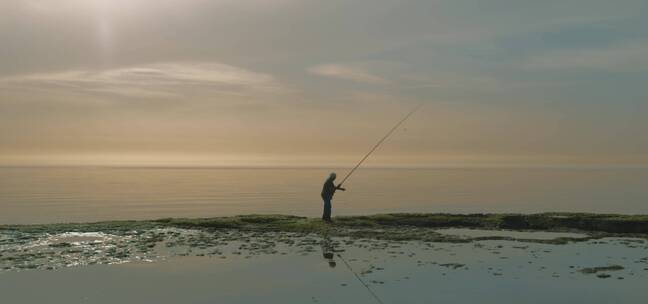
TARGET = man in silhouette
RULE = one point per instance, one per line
(327, 195)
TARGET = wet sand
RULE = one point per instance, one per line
(140, 262)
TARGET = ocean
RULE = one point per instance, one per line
(82, 194)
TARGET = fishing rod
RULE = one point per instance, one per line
(375, 296)
(380, 142)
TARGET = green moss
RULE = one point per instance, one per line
(371, 225)
(110, 226)
(591, 270)
(611, 223)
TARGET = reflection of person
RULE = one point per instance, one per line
(327, 195)
(328, 251)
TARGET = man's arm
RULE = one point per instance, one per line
(339, 187)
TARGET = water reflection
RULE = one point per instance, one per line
(222, 264)
(328, 249)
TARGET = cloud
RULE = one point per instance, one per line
(629, 56)
(150, 80)
(346, 73)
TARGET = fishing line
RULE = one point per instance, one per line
(373, 294)
(325, 236)
(381, 141)
(360, 280)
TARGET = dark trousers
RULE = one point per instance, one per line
(327, 209)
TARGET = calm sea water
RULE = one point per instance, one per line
(46, 195)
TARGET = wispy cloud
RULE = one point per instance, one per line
(347, 73)
(618, 58)
(150, 80)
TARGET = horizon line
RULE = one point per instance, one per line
(313, 167)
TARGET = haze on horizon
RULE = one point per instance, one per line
(284, 82)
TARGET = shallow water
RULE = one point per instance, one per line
(536, 235)
(238, 267)
(46, 195)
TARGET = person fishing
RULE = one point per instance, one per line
(327, 195)
(328, 251)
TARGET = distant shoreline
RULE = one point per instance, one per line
(432, 166)
(639, 166)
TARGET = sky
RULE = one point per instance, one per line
(317, 83)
